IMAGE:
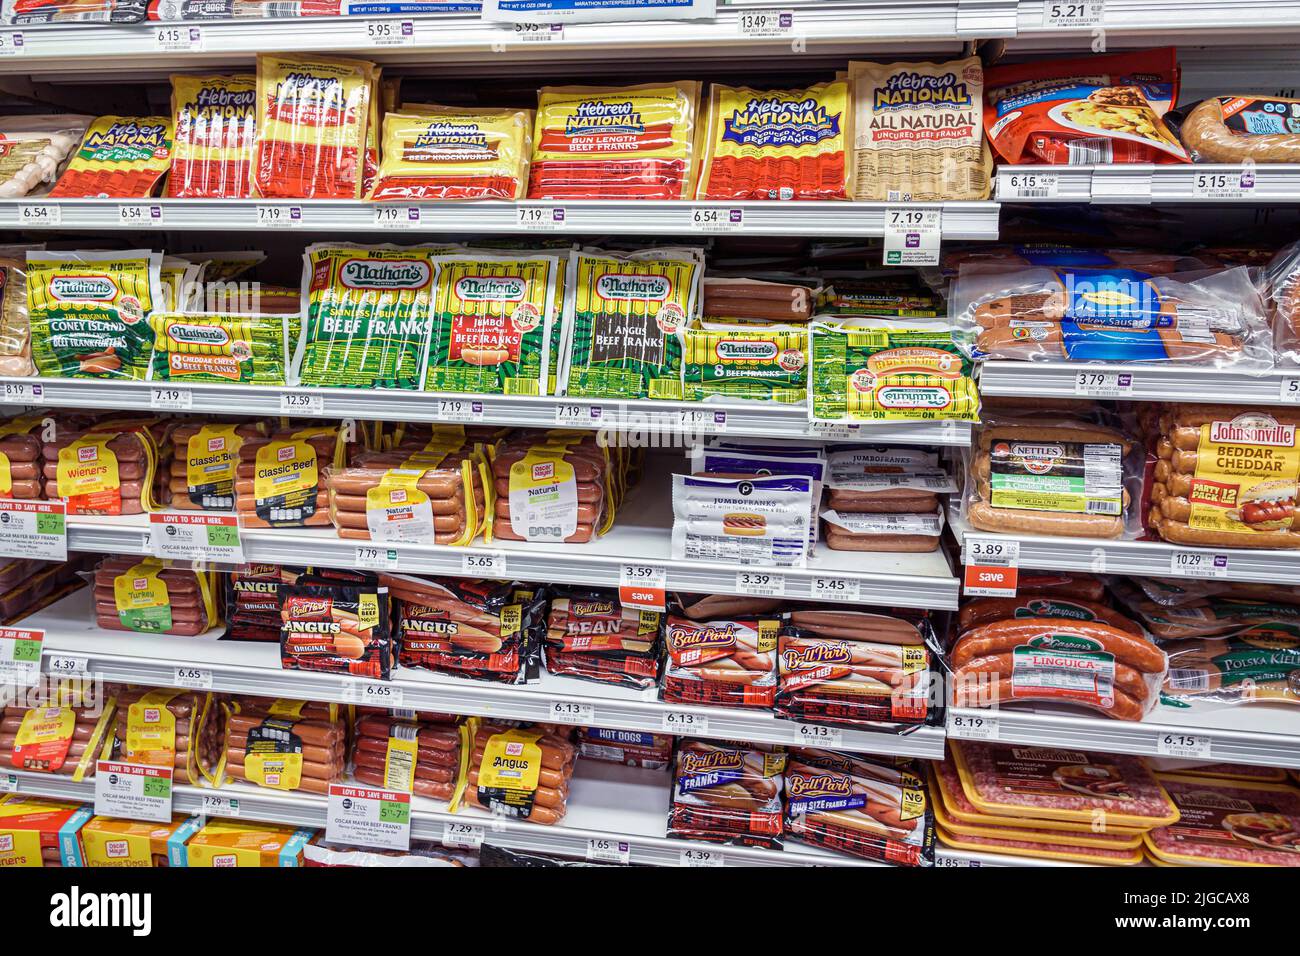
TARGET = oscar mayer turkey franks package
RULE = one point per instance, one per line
(215, 119)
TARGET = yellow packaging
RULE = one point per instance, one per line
(215, 118)
(447, 152)
(110, 842)
(1246, 476)
(1010, 829)
(1228, 823)
(227, 843)
(751, 361)
(21, 425)
(121, 157)
(1106, 857)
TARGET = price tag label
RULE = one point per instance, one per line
(142, 216)
(199, 678)
(700, 857)
(978, 727)
(1104, 384)
(1235, 184)
(573, 415)
(483, 564)
(20, 655)
(572, 712)
(372, 694)
(643, 586)
(608, 851)
(39, 214)
(301, 403)
(1074, 15)
(368, 816)
(1288, 390)
(12, 44)
(1183, 745)
(540, 218)
(376, 559)
(67, 665)
(390, 33)
(8, 783)
(944, 860)
(1198, 564)
(760, 584)
(397, 217)
(684, 723)
(177, 39)
(279, 217)
(33, 529)
(22, 393)
(133, 791)
(991, 567)
(717, 219)
(213, 805)
(460, 410)
(835, 589)
(765, 23)
(848, 431)
(702, 420)
(195, 536)
(912, 236)
(814, 735)
(462, 836)
(174, 397)
(538, 32)
(1030, 185)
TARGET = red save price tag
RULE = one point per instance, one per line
(643, 586)
(991, 567)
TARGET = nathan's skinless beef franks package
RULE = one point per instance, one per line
(215, 120)
(121, 157)
(1228, 823)
(740, 361)
(337, 628)
(448, 152)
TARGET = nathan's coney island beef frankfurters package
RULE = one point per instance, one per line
(38, 832)
(338, 628)
(152, 596)
(1228, 823)
(721, 661)
(517, 772)
(283, 744)
(591, 635)
(421, 755)
(727, 793)
(65, 737)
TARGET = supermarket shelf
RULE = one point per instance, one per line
(1129, 23)
(254, 668)
(1264, 734)
(960, 220)
(661, 421)
(1153, 383)
(1143, 184)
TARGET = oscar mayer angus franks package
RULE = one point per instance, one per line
(312, 118)
(220, 347)
(778, 144)
(872, 807)
(89, 312)
(449, 152)
(879, 370)
(632, 142)
(723, 662)
(65, 738)
(492, 319)
(215, 119)
(591, 635)
(279, 482)
(1096, 109)
(283, 744)
(336, 628)
(243, 843)
(110, 842)
(624, 320)
(367, 316)
(750, 521)
(761, 362)
(520, 773)
(121, 157)
(725, 793)
(22, 473)
(38, 833)
(553, 487)
(169, 728)
(101, 472)
(1228, 823)
(152, 596)
(204, 462)
(1258, 664)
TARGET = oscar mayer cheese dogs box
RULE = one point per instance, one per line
(110, 842)
(247, 844)
(37, 833)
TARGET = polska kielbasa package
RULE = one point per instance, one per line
(215, 119)
(153, 596)
(181, 729)
(421, 754)
(89, 312)
(37, 832)
(65, 736)
(632, 142)
(112, 842)
(517, 772)
(106, 472)
(721, 662)
(1228, 823)
(243, 843)
(336, 628)
(279, 481)
(220, 347)
(727, 793)
(121, 157)
(552, 487)
(730, 361)
(1258, 664)
(591, 635)
(283, 744)
(1207, 616)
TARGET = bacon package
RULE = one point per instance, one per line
(152, 596)
(591, 635)
(520, 773)
(121, 157)
(722, 662)
(215, 124)
(336, 628)
(420, 754)
(725, 793)
(101, 472)
(284, 744)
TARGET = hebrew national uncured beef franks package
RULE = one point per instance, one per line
(1227, 823)
(336, 628)
(121, 157)
(37, 833)
(491, 324)
(760, 362)
(220, 347)
(367, 316)
(215, 120)
(89, 312)
(632, 142)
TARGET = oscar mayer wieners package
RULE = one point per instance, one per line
(65, 736)
(121, 157)
(367, 316)
(110, 842)
(491, 325)
(35, 832)
(624, 319)
(633, 142)
(89, 311)
(312, 115)
(782, 144)
(448, 152)
(102, 472)
(215, 120)
(758, 361)
(220, 347)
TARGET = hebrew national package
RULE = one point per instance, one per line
(633, 142)
(215, 120)
(367, 316)
(757, 361)
(624, 319)
(783, 144)
(312, 116)
(447, 152)
(121, 157)
(220, 347)
(491, 325)
(89, 312)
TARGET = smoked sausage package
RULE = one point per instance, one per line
(102, 471)
(1259, 664)
(40, 833)
(421, 754)
(518, 772)
(591, 635)
(1205, 616)
(65, 737)
(720, 661)
(283, 744)
(153, 596)
(336, 628)
(727, 793)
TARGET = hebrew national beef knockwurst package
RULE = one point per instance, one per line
(727, 361)
(89, 312)
(725, 794)
(153, 597)
(121, 157)
(367, 316)
(1227, 823)
(36, 832)
(215, 120)
(101, 472)
(220, 347)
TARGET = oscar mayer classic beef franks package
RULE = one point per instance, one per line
(778, 144)
(151, 596)
(312, 116)
(89, 312)
(36, 833)
(280, 479)
(633, 142)
(724, 662)
(110, 842)
(336, 628)
(215, 119)
(1228, 823)
(750, 362)
(283, 744)
(220, 347)
(101, 472)
(121, 157)
(1097, 109)
(521, 773)
(204, 461)
(725, 793)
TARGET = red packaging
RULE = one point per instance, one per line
(728, 663)
(336, 628)
(727, 793)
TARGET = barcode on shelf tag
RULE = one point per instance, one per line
(1103, 384)
(8, 783)
(460, 409)
(760, 584)
(1183, 745)
(684, 722)
(815, 735)
(702, 857)
(912, 236)
(371, 558)
(22, 393)
(12, 44)
(390, 32)
(372, 693)
(279, 217)
(608, 851)
(172, 397)
(66, 665)
(574, 415)
(462, 836)
(397, 217)
(1029, 186)
(39, 214)
(973, 727)
(1076, 14)
(835, 589)
(199, 678)
(572, 712)
(301, 403)
(213, 805)
(1198, 564)
(1235, 184)
(538, 32)
(540, 218)
(991, 566)
(717, 219)
(485, 564)
(178, 39)
(765, 23)
(138, 215)
(1288, 390)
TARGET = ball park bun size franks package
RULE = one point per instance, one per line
(919, 132)
(220, 347)
(38, 833)
(312, 118)
(121, 157)
(151, 596)
(726, 361)
(448, 152)
(633, 142)
(89, 312)
(1228, 823)
(110, 842)
(749, 521)
(727, 794)
(215, 120)
(726, 663)
(1097, 109)
(625, 316)
(782, 144)
(227, 843)
(101, 472)
(279, 482)
(283, 744)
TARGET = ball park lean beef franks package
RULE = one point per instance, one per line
(783, 144)
(1098, 109)
(121, 157)
(919, 131)
(634, 142)
(215, 118)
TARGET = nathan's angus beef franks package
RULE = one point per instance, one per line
(336, 628)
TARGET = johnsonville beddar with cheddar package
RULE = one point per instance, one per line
(121, 157)
(215, 122)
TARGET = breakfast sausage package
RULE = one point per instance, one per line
(34, 151)
(336, 628)
(121, 157)
(215, 118)
(724, 793)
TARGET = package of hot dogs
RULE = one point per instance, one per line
(284, 744)
(64, 737)
(731, 459)
(35, 832)
(153, 596)
(551, 487)
(632, 748)
(280, 479)
(245, 843)
(338, 628)
(420, 754)
(725, 662)
(517, 772)
(182, 729)
(746, 520)
(705, 607)
(872, 807)
(1258, 664)
(876, 480)
(22, 465)
(253, 600)
(112, 842)
(201, 461)
(320, 852)
(853, 667)
(44, 583)
(104, 471)
(591, 635)
(727, 792)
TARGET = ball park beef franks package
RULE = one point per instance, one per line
(279, 482)
(121, 157)
(284, 744)
(919, 132)
(632, 142)
(723, 662)
(151, 596)
(336, 628)
(521, 773)
(220, 347)
(782, 144)
(215, 119)
(1228, 823)
(311, 126)
(89, 312)
(591, 635)
(447, 152)
(551, 487)
(1097, 109)
(40, 833)
(725, 793)
(101, 472)
(624, 320)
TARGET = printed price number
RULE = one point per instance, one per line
(1079, 13)
(212, 805)
(973, 727)
(760, 583)
(1032, 185)
(488, 564)
(301, 403)
(279, 217)
(8, 783)
(944, 860)
(460, 410)
(578, 416)
(1198, 564)
(462, 836)
(717, 219)
(22, 393)
(683, 722)
(178, 39)
(373, 694)
(136, 215)
(765, 23)
(199, 678)
(391, 32)
(12, 44)
(700, 857)
(171, 397)
(540, 218)
(836, 589)
(397, 217)
(1183, 745)
(702, 420)
(572, 712)
(816, 735)
(42, 214)
(538, 32)
(1103, 384)
(1238, 184)
(372, 558)
(643, 586)
(67, 665)
(1288, 390)
(608, 851)
(20, 655)
(912, 236)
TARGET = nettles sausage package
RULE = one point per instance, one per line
(624, 319)
(89, 312)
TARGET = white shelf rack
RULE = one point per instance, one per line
(1144, 184)
(242, 667)
(1150, 383)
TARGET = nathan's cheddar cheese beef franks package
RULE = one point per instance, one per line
(89, 312)
(448, 152)
(121, 157)
(220, 347)
(35, 832)
(748, 361)
(312, 116)
(632, 142)
(779, 144)
(215, 120)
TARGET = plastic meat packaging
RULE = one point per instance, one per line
(727, 794)
(1227, 823)
(447, 152)
(214, 119)
(121, 157)
(34, 151)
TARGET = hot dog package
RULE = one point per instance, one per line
(111, 842)
(15, 327)
(748, 521)
(632, 748)
(22, 470)
(280, 479)
(1259, 664)
(253, 600)
(421, 754)
(591, 635)
(729, 361)
(101, 472)
(517, 772)
(63, 736)
(35, 832)
(214, 118)
(1228, 823)
(222, 347)
(757, 300)
(727, 793)
(553, 487)
(152, 596)
(336, 628)
(201, 464)
(857, 531)
(722, 662)
(169, 728)
(877, 480)
(120, 157)
(243, 843)
(738, 459)
(320, 852)
(283, 744)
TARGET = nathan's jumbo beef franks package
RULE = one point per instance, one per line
(727, 793)
(336, 628)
